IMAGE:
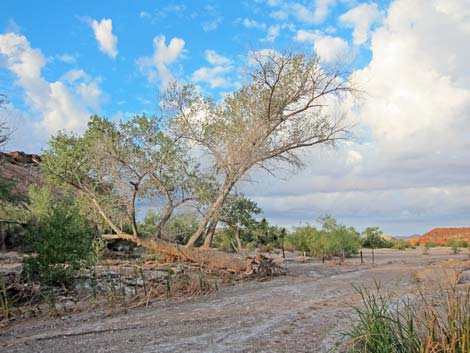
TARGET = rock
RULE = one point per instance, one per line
(464, 277)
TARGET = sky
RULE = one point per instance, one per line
(407, 169)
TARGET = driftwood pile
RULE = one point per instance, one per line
(262, 266)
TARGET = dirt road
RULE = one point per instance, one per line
(301, 312)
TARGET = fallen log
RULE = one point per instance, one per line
(259, 264)
(204, 256)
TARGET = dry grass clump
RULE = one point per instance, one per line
(432, 322)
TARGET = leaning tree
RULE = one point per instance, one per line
(286, 106)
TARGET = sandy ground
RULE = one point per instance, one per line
(300, 312)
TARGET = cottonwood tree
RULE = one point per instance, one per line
(286, 107)
(112, 166)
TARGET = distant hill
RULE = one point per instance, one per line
(442, 235)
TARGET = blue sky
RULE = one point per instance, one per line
(62, 31)
(61, 61)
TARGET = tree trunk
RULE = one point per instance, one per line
(213, 213)
(210, 257)
(210, 234)
(164, 220)
(237, 238)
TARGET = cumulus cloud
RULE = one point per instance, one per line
(107, 41)
(328, 48)
(361, 18)
(409, 171)
(60, 104)
(214, 75)
(157, 66)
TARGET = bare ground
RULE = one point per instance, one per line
(300, 312)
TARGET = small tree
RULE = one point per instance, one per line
(112, 166)
(238, 214)
(372, 238)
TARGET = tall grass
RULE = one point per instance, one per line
(429, 324)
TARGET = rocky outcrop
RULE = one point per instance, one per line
(22, 168)
(21, 158)
(442, 235)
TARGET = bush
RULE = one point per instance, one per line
(300, 239)
(401, 245)
(61, 238)
(431, 244)
(225, 240)
(456, 245)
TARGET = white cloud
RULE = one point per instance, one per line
(328, 48)
(156, 67)
(279, 15)
(247, 23)
(322, 9)
(273, 33)
(331, 49)
(74, 75)
(216, 59)
(214, 75)
(314, 13)
(67, 58)
(361, 18)
(107, 41)
(59, 106)
(212, 25)
(303, 35)
(410, 172)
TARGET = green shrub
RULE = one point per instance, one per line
(431, 244)
(225, 240)
(456, 245)
(301, 238)
(61, 238)
(401, 245)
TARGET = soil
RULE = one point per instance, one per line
(300, 312)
